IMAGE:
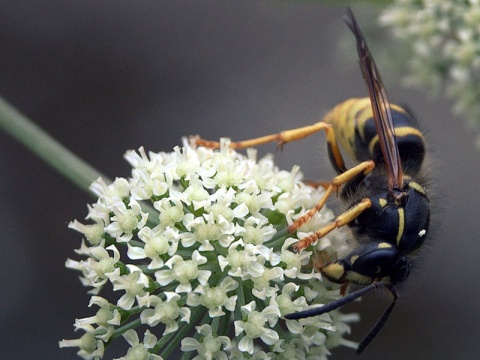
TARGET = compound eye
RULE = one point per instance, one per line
(422, 233)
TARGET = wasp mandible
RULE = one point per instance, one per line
(387, 205)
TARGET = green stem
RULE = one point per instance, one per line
(46, 147)
(167, 347)
(52, 152)
(122, 329)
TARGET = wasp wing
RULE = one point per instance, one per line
(382, 113)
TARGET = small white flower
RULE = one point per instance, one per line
(170, 211)
(244, 262)
(90, 346)
(214, 298)
(195, 194)
(107, 317)
(187, 163)
(256, 230)
(157, 242)
(284, 301)
(210, 346)
(293, 349)
(93, 232)
(139, 159)
(99, 212)
(139, 350)
(254, 326)
(165, 312)
(96, 268)
(253, 197)
(126, 220)
(264, 286)
(292, 260)
(134, 284)
(206, 230)
(145, 186)
(183, 271)
(113, 193)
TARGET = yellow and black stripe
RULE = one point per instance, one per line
(355, 131)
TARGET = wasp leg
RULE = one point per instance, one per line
(341, 220)
(287, 136)
(361, 169)
(336, 304)
(344, 288)
(379, 324)
(281, 138)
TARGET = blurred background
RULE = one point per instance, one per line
(106, 76)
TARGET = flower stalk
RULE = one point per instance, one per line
(46, 147)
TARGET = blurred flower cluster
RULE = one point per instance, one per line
(209, 271)
(444, 42)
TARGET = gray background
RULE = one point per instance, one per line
(106, 76)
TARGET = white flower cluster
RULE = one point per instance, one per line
(444, 41)
(211, 260)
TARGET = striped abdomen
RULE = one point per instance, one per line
(355, 131)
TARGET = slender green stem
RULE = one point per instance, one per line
(121, 330)
(46, 147)
(52, 152)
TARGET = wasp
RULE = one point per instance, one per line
(387, 207)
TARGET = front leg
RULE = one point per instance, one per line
(351, 214)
